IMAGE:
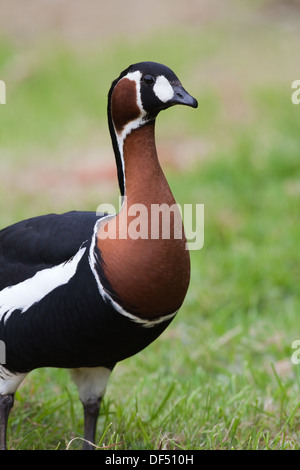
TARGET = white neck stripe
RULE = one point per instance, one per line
(105, 295)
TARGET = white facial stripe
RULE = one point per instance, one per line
(23, 295)
(136, 77)
(163, 89)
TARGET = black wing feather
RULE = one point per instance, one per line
(42, 242)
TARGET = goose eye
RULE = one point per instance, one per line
(148, 79)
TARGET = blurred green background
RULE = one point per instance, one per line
(222, 375)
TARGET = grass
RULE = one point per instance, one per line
(221, 376)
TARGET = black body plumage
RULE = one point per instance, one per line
(72, 326)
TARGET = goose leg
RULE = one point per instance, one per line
(91, 383)
(6, 404)
(91, 412)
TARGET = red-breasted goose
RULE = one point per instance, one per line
(76, 290)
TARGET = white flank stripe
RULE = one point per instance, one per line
(23, 295)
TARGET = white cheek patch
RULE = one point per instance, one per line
(163, 89)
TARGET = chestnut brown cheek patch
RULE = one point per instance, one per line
(124, 107)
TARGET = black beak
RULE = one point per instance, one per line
(181, 96)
